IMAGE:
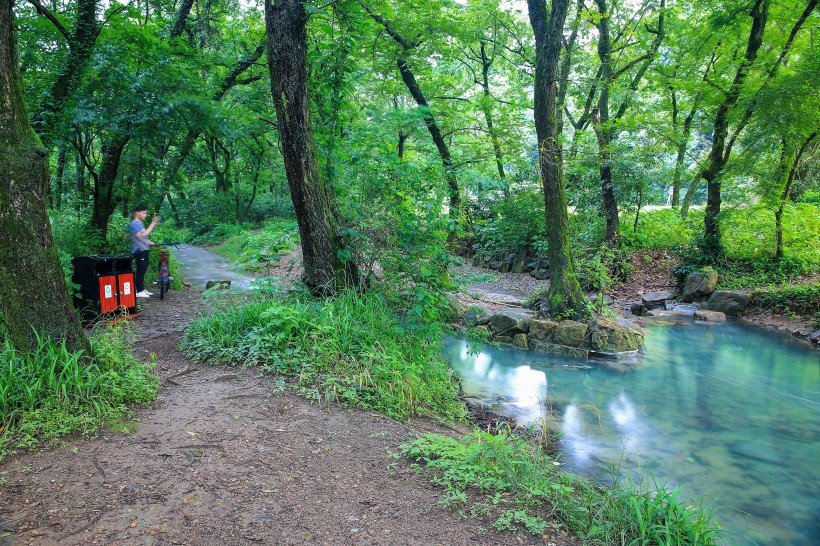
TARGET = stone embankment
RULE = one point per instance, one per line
(524, 329)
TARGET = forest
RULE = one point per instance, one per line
(403, 150)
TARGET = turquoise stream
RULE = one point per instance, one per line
(729, 413)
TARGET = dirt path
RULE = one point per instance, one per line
(223, 457)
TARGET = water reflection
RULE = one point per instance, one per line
(732, 413)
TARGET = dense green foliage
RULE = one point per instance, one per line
(352, 349)
(50, 391)
(503, 476)
(188, 106)
(802, 300)
(253, 248)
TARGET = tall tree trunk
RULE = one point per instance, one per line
(427, 114)
(286, 22)
(603, 123)
(486, 108)
(717, 156)
(603, 129)
(50, 121)
(682, 138)
(181, 18)
(435, 133)
(789, 163)
(56, 193)
(34, 295)
(79, 175)
(564, 291)
(690, 194)
(105, 202)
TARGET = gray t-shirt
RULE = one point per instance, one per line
(138, 243)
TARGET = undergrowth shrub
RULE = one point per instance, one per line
(352, 348)
(51, 391)
(520, 485)
(511, 224)
(662, 229)
(254, 247)
(801, 299)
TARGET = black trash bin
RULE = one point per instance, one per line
(106, 285)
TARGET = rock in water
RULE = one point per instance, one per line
(610, 339)
(218, 284)
(730, 302)
(656, 300)
(709, 316)
(699, 285)
(570, 333)
(756, 451)
(547, 348)
(511, 321)
(520, 341)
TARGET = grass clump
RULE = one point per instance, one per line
(51, 391)
(522, 487)
(351, 349)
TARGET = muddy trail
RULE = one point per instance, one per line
(225, 457)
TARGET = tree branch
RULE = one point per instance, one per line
(41, 9)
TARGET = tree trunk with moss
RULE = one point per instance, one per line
(564, 294)
(324, 269)
(33, 293)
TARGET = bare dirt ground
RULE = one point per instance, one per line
(224, 457)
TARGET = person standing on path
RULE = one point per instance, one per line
(141, 245)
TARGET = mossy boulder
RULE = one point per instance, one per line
(542, 329)
(511, 321)
(699, 285)
(548, 348)
(609, 338)
(730, 302)
(521, 341)
(570, 333)
(518, 265)
(477, 316)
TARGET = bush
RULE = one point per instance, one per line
(512, 224)
(599, 268)
(253, 247)
(51, 391)
(352, 349)
(661, 229)
(803, 299)
(218, 233)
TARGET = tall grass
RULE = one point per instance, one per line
(352, 349)
(50, 390)
(522, 486)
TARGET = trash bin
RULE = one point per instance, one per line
(106, 285)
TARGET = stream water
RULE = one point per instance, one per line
(729, 413)
(198, 266)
